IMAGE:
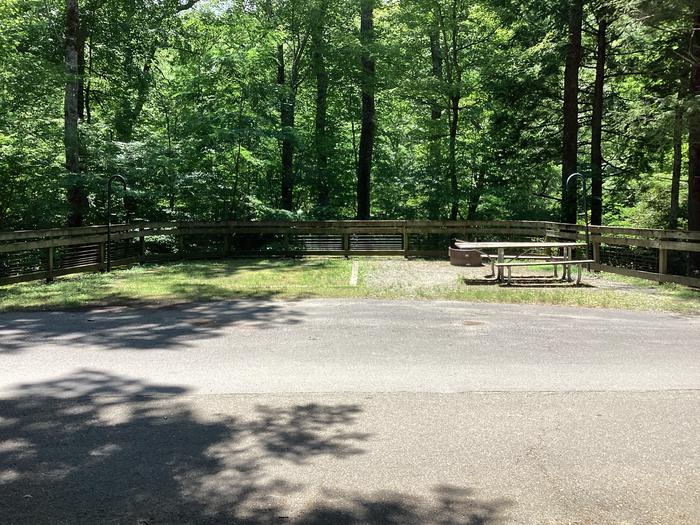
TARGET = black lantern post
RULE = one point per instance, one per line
(122, 180)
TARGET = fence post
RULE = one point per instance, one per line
(287, 237)
(227, 243)
(663, 261)
(49, 264)
(405, 240)
(142, 245)
(346, 244)
(101, 256)
(596, 251)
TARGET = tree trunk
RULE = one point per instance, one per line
(570, 110)
(128, 115)
(81, 71)
(77, 197)
(364, 164)
(287, 125)
(88, 87)
(677, 159)
(434, 157)
(436, 58)
(456, 96)
(476, 194)
(694, 144)
(318, 65)
(597, 126)
(452, 162)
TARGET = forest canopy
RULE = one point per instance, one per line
(316, 109)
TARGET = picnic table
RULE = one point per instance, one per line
(524, 249)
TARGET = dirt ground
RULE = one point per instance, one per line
(416, 274)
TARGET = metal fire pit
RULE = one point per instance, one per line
(465, 257)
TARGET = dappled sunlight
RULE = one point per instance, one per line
(166, 327)
(240, 278)
(379, 277)
(97, 447)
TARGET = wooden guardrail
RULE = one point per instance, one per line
(45, 254)
(663, 242)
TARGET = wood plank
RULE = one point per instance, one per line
(515, 244)
(545, 263)
(88, 268)
(650, 243)
(693, 282)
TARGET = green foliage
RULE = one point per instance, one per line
(185, 103)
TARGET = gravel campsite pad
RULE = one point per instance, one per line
(431, 275)
(426, 279)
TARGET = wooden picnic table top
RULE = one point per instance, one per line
(512, 244)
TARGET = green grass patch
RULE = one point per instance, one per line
(380, 278)
(187, 281)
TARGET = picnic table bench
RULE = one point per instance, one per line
(566, 264)
(566, 261)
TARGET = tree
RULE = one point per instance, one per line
(694, 138)
(368, 126)
(569, 163)
(77, 196)
(450, 26)
(318, 65)
(678, 122)
(597, 120)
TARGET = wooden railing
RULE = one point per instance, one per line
(45, 254)
(663, 243)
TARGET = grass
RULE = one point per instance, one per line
(382, 278)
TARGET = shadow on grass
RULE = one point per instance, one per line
(149, 284)
(528, 282)
(226, 268)
(173, 326)
(97, 448)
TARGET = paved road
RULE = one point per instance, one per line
(342, 411)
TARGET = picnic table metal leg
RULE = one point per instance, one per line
(501, 258)
(568, 267)
(509, 275)
(578, 274)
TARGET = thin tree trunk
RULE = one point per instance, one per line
(287, 125)
(452, 162)
(694, 144)
(597, 126)
(476, 195)
(77, 197)
(129, 114)
(81, 71)
(318, 45)
(570, 109)
(364, 165)
(434, 157)
(354, 140)
(88, 87)
(436, 59)
(677, 159)
(455, 99)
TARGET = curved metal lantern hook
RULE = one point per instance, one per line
(581, 176)
(122, 180)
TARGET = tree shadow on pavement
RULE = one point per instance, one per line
(99, 448)
(155, 328)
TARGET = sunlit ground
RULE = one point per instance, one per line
(384, 278)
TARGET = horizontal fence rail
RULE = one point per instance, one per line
(660, 255)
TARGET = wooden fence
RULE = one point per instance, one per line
(660, 255)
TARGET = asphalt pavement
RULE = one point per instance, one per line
(345, 411)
